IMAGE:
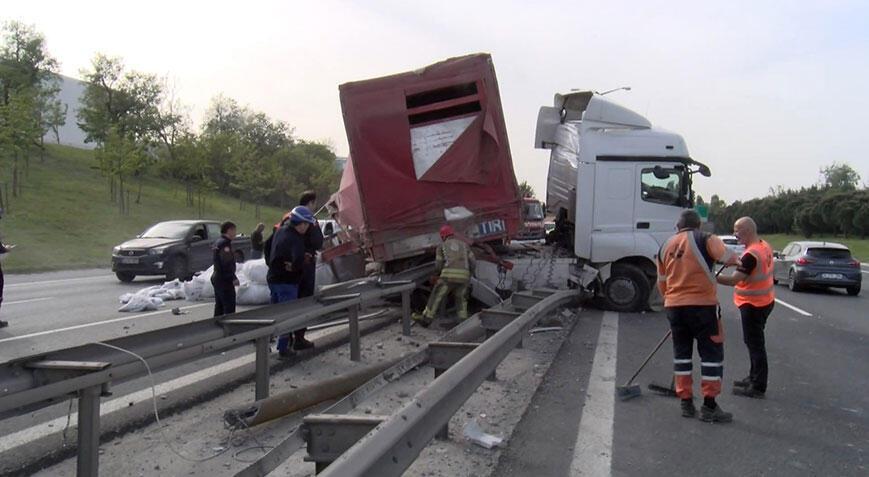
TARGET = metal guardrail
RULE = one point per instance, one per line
(392, 446)
(33, 382)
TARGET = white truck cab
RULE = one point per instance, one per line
(616, 185)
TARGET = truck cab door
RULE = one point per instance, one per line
(612, 233)
(660, 200)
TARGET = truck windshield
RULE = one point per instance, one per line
(167, 230)
(533, 211)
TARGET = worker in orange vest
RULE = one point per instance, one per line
(686, 281)
(754, 297)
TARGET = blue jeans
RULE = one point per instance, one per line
(281, 293)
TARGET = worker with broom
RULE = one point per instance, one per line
(686, 281)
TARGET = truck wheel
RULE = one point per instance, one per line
(125, 277)
(627, 288)
(177, 269)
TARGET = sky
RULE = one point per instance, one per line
(764, 92)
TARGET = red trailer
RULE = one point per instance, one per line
(427, 147)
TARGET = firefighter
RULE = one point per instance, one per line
(755, 298)
(688, 286)
(456, 263)
(223, 279)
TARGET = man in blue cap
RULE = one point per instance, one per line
(285, 258)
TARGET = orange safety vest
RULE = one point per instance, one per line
(684, 277)
(757, 288)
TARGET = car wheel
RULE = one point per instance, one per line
(239, 256)
(177, 269)
(775, 281)
(853, 291)
(125, 277)
(627, 289)
(792, 282)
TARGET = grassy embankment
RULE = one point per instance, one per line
(859, 247)
(65, 220)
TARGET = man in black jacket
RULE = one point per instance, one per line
(4, 251)
(285, 260)
(223, 279)
(313, 244)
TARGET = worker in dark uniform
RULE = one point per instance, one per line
(313, 244)
(223, 279)
(4, 252)
(256, 242)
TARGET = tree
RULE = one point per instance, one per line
(122, 108)
(28, 86)
(840, 176)
(55, 117)
(525, 189)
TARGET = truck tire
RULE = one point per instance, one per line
(125, 277)
(177, 269)
(627, 289)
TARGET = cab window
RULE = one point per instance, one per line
(661, 186)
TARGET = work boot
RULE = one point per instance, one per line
(301, 344)
(688, 409)
(4, 324)
(715, 414)
(743, 383)
(750, 392)
(420, 318)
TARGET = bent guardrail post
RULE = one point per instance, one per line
(392, 446)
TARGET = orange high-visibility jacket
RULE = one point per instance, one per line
(685, 263)
(757, 288)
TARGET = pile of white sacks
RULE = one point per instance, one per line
(252, 290)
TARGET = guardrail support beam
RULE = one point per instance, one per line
(329, 435)
(89, 431)
(355, 354)
(262, 367)
(405, 313)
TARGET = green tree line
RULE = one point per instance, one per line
(835, 206)
(140, 129)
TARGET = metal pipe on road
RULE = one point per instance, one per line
(391, 447)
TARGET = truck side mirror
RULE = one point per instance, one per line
(704, 171)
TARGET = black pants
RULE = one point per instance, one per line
(224, 298)
(700, 323)
(753, 324)
(306, 289)
(1, 286)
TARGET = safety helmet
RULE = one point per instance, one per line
(446, 231)
(301, 214)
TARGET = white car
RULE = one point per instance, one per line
(733, 244)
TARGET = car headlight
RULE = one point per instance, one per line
(116, 250)
(156, 251)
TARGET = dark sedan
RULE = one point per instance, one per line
(176, 249)
(822, 264)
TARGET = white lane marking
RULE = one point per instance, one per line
(798, 310)
(25, 436)
(64, 280)
(98, 323)
(864, 271)
(592, 454)
(27, 301)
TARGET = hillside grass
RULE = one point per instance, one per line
(859, 247)
(66, 220)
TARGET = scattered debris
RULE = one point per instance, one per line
(475, 434)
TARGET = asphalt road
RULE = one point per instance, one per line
(814, 420)
(60, 309)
